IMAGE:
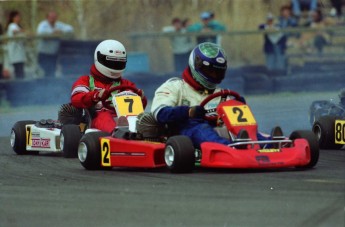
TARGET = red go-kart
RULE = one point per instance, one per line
(148, 146)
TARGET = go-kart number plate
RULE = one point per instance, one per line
(339, 132)
(28, 136)
(128, 105)
(239, 115)
(105, 150)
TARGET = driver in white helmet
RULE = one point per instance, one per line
(90, 90)
(177, 101)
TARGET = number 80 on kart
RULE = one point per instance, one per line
(339, 132)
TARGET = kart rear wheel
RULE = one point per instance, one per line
(313, 144)
(18, 137)
(324, 130)
(179, 154)
(69, 140)
(89, 150)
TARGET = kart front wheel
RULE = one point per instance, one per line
(89, 150)
(18, 137)
(313, 145)
(179, 154)
(69, 140)
(324, 130)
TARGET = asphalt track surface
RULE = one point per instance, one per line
(49, 190)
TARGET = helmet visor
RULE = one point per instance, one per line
(213, 73)
(112, 62)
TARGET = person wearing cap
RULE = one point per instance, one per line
(89, 91)
(207, 24)
(274, 45)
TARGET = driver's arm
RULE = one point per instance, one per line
(165, 105)
(81, 96)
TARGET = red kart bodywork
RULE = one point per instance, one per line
(221, 156)
(134, 153)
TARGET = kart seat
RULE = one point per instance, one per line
(223, 132)
(148, 127)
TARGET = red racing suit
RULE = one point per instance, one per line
(83, 91)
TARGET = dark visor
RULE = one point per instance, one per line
(111, 62)
(214, 73)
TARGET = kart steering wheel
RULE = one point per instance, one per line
(223, 93)
(108, 104)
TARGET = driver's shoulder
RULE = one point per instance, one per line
(173, 82)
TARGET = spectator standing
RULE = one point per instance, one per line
(319, 38)
(286, 19)
(181, 45)
(16, 49)
(48, 48)
(303, 5)
(337, 6)
(207, 24)
(1, 54)
(274, 45)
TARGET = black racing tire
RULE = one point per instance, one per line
(70, 136)
(89, 150)
(179, 154)
(18, 137)
(324, 129)
(313, 144)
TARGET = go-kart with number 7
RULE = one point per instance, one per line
(63, 135)
(125, 147)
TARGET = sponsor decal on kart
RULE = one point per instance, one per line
(262, 159)
(128, 154)
(42, 143)
(239, 115)
(268, 150)
(339, 132)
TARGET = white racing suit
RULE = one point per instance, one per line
(171, 104)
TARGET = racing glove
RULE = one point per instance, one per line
(141, 93)
(100, 95)
(196, 112)
(243, 100)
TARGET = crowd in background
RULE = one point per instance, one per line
(47, 48)
(299, 13)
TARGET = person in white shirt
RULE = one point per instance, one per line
(16, 48)
(181, 45)
(48, 48)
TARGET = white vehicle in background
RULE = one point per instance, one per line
(32, 137)
(63, 135)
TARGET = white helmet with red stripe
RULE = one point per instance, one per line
(110, 58)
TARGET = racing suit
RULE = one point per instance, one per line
(83, 91)
(171, 105)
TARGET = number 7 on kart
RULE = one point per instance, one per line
(128, 105)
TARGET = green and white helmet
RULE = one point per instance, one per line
(208, 64)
